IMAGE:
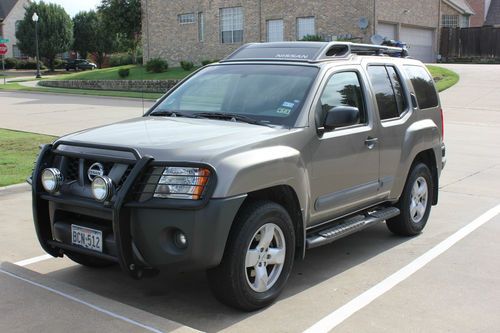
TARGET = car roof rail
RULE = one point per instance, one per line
(310, 52)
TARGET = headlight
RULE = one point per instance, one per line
(182, 183)
(102, 188)
(51, 180)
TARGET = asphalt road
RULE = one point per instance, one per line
(457, 291)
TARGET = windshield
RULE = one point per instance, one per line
(271, 94)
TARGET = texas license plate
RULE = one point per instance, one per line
(85, 237)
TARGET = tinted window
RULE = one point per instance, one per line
(343, 89)
(398, 89)
(423, 84)
(384, 92)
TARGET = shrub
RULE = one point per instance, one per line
(29, 64)
(124, 72)
(312, 38)
(187, 65)
(120, 59)
(60, 64)
(207, 62)
(156, 65)
(10, 63)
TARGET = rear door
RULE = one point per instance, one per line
(345, 161)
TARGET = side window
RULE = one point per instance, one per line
(398, 89)
(423, 84)
(343, 89)
(384, 93)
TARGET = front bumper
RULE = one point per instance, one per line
(139, 236)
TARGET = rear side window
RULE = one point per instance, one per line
(423, 84)
(385, 94)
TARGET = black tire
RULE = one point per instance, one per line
(88, 261)
(406, 223)
(230, 281)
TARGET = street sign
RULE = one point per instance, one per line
(4, 40)
(3, 49)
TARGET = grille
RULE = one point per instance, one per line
(72, 167)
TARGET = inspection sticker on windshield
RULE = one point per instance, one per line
(285, 108)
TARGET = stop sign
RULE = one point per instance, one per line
(3, 49)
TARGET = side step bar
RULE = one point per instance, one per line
(349, 226)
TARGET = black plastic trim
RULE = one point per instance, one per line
(82, 250)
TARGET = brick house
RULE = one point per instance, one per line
(210, 29)
(11, 12)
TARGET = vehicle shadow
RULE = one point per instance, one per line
(186, 298)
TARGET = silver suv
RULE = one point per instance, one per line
(246, 164)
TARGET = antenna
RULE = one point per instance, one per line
(377, 39)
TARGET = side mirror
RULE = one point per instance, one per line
(341, 116)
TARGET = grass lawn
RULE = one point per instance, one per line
(136, 73)
(18, 151)
(444, 78)
(107, 93)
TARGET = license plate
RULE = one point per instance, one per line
(85, 237)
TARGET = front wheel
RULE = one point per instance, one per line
(258, 258)
(415, 203)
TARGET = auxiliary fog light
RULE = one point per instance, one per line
(51, 180)
(102, 188)
(180, 239)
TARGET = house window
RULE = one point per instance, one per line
(201, 27)
(450, 21)
(186, 18)
(305, 26)
(275, 30)
(465, 21)
(17, 26)
(17, 53)
(231, 25)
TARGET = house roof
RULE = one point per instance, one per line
(462, 6)
(5, 8)
(493, 17)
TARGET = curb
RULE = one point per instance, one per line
(14, 189)
(105, 305)
(75, 94)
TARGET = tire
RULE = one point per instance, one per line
(415, 203)
(88, 261)
(235, 281)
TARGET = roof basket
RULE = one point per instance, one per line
(310, 51)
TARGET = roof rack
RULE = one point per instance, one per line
(310, 51)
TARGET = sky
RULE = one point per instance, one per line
(72, 7)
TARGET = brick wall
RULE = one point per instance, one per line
(153, 86)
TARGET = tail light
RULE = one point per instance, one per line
(442, 122)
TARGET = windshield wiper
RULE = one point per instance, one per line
(232, 117)
(168, 113)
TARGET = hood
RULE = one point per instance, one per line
(178, 139)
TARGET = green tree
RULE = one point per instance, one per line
(85, 25)
(123, 18)
(105, 41)
(55, 31)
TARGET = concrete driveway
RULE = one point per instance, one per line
(455, 290)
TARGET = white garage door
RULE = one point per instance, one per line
(420, 43)
(387, 30)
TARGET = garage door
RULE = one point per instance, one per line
(420, 43)
(387, 30)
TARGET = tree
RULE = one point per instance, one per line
(85, 25)
(105, 41)
(55, 31)
(123, 18)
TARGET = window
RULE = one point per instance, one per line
(305, 26)
(17, 26)
(343, 89)
(201, 27)
(465, 21)
(423, 84)
(17, 53)
(275, 30)
(449, 21)
(231, 25)
(399, 92)
(384, 92)
(186, 18)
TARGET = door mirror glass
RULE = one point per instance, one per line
(341, 116)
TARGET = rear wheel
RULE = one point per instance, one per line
(258, 257)
(88, 261)
(415, 203)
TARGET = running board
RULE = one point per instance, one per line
(349, 226)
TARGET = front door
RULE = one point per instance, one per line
(345, 167)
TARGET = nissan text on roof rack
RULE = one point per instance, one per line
(246, 164)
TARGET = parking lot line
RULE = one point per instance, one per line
(92, 306)
(33, 260)
(341, 314)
